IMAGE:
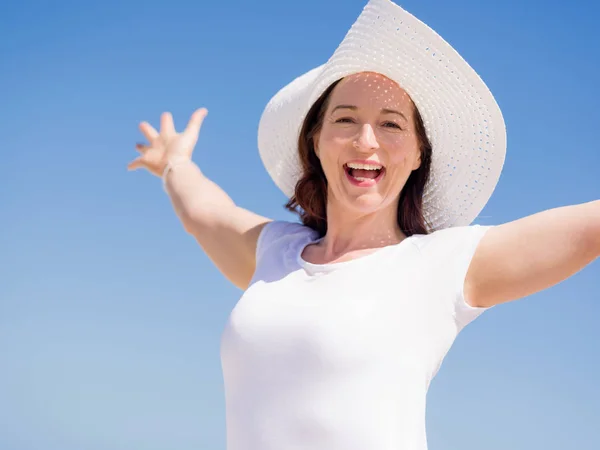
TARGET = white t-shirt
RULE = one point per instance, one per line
(340, 356)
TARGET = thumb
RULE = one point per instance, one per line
(135, 164)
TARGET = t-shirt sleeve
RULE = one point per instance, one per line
(270, 233)
(276, 233)
(448, 254)
(472, 235)
(276, 247)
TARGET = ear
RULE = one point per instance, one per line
(316, 144)
(417, 162)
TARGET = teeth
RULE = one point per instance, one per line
(364, 166)
(362, 178)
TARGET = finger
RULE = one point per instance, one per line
(142, 148)
(193, 126)
(166, 124)
(148, 131)
(137, 163)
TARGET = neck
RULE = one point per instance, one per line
(354, 231)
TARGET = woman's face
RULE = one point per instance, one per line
(367, 145)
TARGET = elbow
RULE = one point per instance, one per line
(191, 224)
(200, 222)
(194, 219)
(188, 220)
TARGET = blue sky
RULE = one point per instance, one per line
(110, 315)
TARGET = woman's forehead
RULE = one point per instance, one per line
(370, 89)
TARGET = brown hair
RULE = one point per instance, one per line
(310, 198)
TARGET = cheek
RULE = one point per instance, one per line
(339, 137)
(329, 158)
(330, 148)
(402, 150)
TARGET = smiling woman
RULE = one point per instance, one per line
(387, 152)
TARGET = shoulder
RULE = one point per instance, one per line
(450, 240)
(447, 255)
(279, 233)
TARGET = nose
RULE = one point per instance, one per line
(366, 140)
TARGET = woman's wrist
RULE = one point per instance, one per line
(173, 163)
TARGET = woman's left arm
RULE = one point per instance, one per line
(528, 255)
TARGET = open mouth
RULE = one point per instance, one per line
(362, 174)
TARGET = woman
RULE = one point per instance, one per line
(388, 152)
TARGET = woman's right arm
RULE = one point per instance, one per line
(227, 233)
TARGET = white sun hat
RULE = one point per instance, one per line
(463, 121)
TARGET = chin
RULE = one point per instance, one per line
(367, 203)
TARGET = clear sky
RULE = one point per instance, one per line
(111, 316)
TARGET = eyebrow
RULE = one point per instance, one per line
(384, 110)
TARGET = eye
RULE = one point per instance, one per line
(385, 124)
(392, 125)
(344, 120)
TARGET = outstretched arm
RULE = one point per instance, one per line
(227, 233)
(528, 255)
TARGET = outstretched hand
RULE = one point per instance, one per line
(168, 144)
